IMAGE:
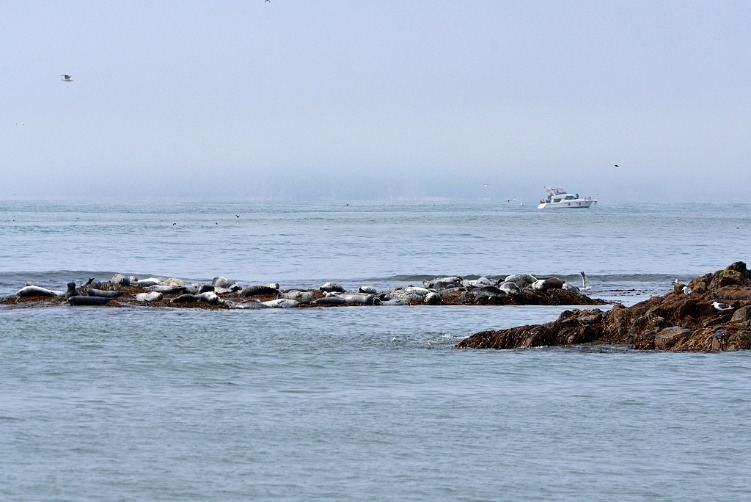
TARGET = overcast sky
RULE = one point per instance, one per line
(381, 99)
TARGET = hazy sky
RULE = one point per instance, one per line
(378, 99)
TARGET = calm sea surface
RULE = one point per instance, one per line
(359, 403)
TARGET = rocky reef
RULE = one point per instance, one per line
(710, 313)
(221, 293)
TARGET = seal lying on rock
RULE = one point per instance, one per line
(282, 303)
(258, 290)
(30, 290)
(185, 298)
(166, 289)
(153, 296)
(103, 293)
(443, 282)
(521, 280)
(87, 300)
(71, 291)
(145, 283)
(209, 297)
(510, 288)
(298, 296)
(332, 287)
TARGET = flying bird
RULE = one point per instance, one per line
(66, 78)
(616, 165)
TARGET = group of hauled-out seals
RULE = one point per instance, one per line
(229, 294)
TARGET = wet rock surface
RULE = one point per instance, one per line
(710, 313)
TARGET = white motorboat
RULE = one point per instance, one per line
(560, 198)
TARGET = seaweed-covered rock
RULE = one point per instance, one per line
(684, 319)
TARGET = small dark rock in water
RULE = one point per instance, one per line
(675, 321)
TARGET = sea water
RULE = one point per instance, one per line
(360, 402)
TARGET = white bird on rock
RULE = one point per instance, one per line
(721, 306)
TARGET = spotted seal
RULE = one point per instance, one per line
(153, 296)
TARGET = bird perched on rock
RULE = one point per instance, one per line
(678, 287)
(721, 306)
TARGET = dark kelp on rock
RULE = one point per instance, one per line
(689, 318)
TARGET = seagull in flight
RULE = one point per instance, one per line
(67, 78)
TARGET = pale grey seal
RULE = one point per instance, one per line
(154, 296)
(521, 280)
(120, 280)
(510, 288)
(168, 290)
(145, 283)
(332, 286)
(300, 296)
(443, 282)
(358, 298)
(282, 303)
(103, 293)
(30, 290)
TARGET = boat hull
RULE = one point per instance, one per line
(567, 204)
